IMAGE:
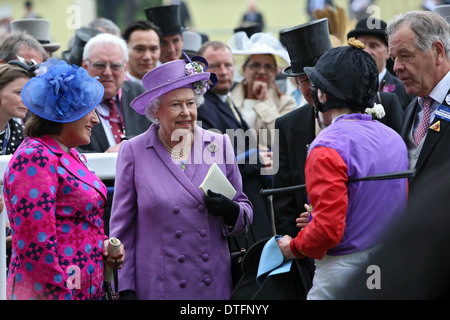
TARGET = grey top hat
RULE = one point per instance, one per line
(305, 44)
(443, 10)
(192, 41)
(38, 29)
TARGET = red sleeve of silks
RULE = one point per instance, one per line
(326, 184)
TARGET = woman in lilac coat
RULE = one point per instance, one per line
(174, 234)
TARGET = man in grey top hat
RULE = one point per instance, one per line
(23, 47)
(38, 29)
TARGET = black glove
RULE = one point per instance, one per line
(220, 206)
(127, 295)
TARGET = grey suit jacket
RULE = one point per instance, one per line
(134, 123)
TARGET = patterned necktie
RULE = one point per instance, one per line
(422, 129)
(114, 120)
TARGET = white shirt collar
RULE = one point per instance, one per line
(381, 75)
(439, 92)
(133, 78)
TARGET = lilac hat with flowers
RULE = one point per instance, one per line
(173, 75)
(62, 92)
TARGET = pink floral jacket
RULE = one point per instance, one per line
(55, 206)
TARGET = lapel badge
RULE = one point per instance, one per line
(83, 159)
(436, 126)
(213, 147)
(447, 99)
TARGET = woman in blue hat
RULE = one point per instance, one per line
(54, 201)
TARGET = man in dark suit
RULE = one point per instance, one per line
(105, 57)
(425, 73)
(371, 32)
(217, 114)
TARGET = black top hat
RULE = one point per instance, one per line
(305, 44)
(167, 18)
(75, 54)
(369, 26)
(250, 29)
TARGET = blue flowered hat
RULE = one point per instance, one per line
(62, 92)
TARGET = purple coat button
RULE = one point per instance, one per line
(207, 281)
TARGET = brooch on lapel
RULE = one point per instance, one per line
(213, 147)
(436, 126)
(82, 158)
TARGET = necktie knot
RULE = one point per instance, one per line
(232, 108)
(427, 102)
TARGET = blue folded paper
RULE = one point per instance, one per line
(271, 261)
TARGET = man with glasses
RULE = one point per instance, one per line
(105, 56)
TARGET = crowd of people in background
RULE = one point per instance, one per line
(312, 106)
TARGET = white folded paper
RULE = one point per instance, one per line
(217, 182)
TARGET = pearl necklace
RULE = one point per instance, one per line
(176, 154)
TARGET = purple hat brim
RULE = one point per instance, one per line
(142, 101)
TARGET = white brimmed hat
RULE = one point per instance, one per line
(259, 43)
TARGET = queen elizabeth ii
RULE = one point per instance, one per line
(175, 234)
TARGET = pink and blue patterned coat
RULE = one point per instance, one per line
(55, 206)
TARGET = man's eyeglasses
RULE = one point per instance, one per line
(255, 66)
(101, 66)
